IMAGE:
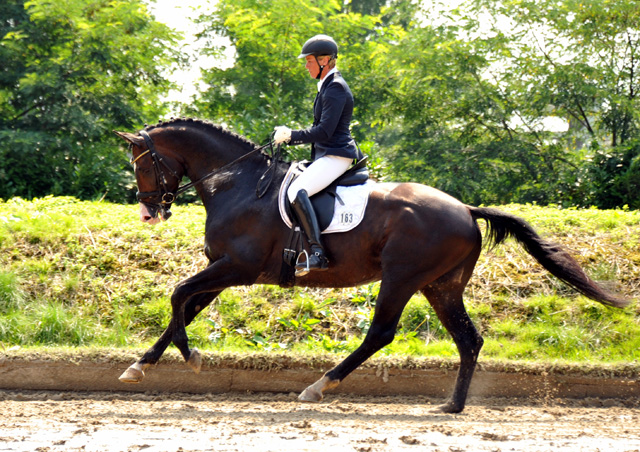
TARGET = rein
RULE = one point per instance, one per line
(166, 196)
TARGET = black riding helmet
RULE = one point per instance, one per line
(320, 45)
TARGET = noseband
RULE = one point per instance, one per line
(162, 198)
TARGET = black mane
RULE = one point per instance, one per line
(204, 126)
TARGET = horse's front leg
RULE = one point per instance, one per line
(218, 276)
(195, 305)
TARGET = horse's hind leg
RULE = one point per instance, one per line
(195, 305)
(392, 299)
(455, 319)
(445, 295)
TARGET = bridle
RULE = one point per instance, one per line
(166, 196)
(162, 198)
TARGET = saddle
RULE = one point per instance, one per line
(324, 202)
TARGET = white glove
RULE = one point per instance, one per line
(282, 134)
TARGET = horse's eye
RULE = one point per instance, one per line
(142, 170)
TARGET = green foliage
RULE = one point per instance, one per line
(11, 294)
(72, 72)
(452, 96)
(88, 273)
(267, 85)
(611, 177)
(576, 61)
(559, 328)
(447, 98)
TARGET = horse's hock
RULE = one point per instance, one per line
(279, 373)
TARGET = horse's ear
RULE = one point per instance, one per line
(130, 137)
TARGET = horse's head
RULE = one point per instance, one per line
(162, 154)
(158, 174)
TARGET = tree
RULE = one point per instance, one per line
(472, 88)
(578, 61)
(449, 96)
(443, 122)
(268, 85)
(74, 71)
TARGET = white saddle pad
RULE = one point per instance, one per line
(349, 209)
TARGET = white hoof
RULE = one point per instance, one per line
(132, 375)
(310, 395)
(314, 393)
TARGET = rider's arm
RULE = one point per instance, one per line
(332, 100)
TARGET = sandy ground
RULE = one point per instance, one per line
(103, 421)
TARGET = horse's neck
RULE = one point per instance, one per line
(243, 181)
(215, 154)
(220, 160)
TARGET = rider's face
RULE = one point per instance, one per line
(312, 64)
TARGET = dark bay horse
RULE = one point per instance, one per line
(413, 238)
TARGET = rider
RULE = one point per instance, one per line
(333, 149)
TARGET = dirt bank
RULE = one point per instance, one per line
(98, 370)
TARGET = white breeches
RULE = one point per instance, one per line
(319, 175)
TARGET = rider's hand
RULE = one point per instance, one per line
(282, 134)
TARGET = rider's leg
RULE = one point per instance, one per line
(317, 176)
(306, 216)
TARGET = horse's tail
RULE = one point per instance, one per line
(553, 257)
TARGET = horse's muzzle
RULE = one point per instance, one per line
(153, 213)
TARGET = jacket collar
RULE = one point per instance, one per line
(326, 78)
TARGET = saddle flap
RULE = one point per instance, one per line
(324, 204)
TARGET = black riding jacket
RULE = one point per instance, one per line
(332, 111)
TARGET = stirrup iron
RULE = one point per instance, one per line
(302, 271)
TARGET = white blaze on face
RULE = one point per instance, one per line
(146, 217)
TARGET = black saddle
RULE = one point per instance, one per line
(324, 201)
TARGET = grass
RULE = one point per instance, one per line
(78, 274)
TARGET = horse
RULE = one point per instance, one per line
(413, 238)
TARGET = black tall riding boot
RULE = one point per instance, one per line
(307, 217)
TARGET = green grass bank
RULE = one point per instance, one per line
(90, 275)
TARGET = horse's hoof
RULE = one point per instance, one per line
(195, 360)
(132, 375)
(310, 395)
(449, 408)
